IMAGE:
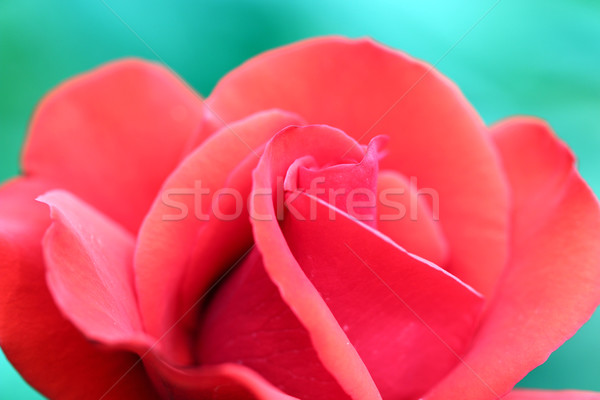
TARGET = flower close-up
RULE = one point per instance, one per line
(334, 221)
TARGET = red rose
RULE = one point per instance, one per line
(249, 247)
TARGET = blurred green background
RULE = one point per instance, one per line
(524, 57)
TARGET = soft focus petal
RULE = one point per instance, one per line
(111, 136)
(405, 217)
(435, 135)
(46, 349)
(529, 394)
(246, 322)
(183, 245)
(551, 286)
(89, 264)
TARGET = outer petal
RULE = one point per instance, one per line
(44, 347)
(112, 136)
(528, 394)
(89, 270)
(551, 286)
(435, 135)
(182, 245)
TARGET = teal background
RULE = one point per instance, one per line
(524, 57)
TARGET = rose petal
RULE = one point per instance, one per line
(44, 347)
(529, 394)
(246, 322)
(89, 270)
(218, 382)
(178, 257)
(551, 286)
(405, 217)
(325, 145)
(409, 320)
(435, 135)
(111, 136)
(350, 186)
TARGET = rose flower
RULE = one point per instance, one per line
(334, 221)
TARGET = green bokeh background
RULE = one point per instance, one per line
(524, 57)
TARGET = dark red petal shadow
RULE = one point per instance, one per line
(246, 322)
(551, 285)
(435, 134)
(112, 135)
(47, 350)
